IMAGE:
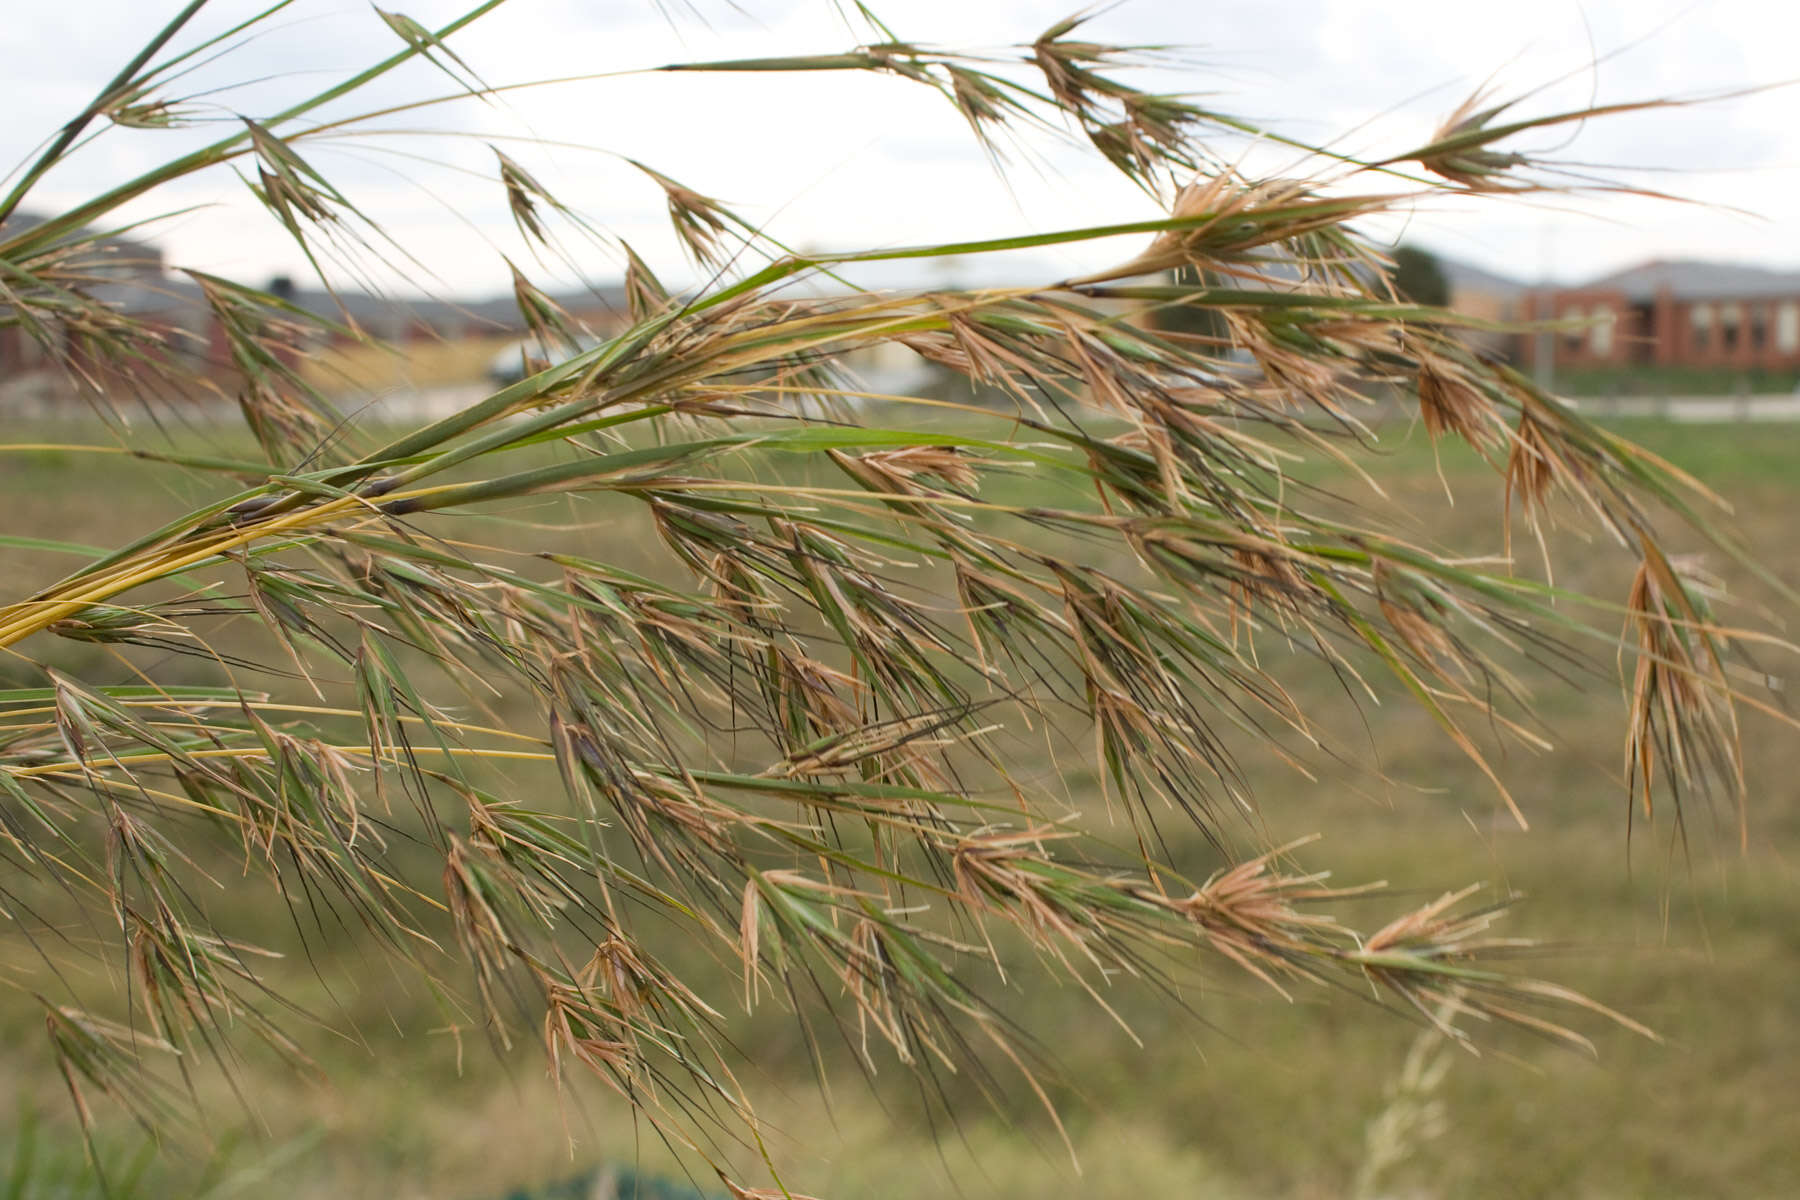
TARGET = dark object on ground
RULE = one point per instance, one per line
(613, 1183)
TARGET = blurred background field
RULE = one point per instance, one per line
(417, 365)
(1244, 1094)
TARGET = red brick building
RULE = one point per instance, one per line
(1683, 313)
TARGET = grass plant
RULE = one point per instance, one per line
(812, 738)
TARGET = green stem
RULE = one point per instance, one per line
(72, 130)
(218, 152)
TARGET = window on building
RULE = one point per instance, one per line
(1701, 319)
(1759, 328)
(1731, 319)
(1787, 327)
(1574, 338)
(1600, 333)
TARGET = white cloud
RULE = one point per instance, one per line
(843, 160)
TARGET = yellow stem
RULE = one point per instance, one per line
(18, 622)
(263, 706)
(123, 760)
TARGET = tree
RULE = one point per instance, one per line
(1200, 321)
(1419, 277)
(804, 738)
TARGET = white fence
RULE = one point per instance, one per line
(1695, 410)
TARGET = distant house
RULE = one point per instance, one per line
(402, 320)
(1484, 296)
(115, 258)
(124, 273)
(1678, 312)
(129, 277)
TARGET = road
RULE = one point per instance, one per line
(20, 401)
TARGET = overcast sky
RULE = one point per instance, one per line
(845, 161)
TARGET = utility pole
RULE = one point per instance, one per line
(1543, 366)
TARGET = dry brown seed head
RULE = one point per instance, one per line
(1531, 468)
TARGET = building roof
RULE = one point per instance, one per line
(382, 315)
(129, 253)
(1467, 277)
(1696, 279)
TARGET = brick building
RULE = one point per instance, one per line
(130, 278)
(1675, 313)
(123, 273)
(1485, 296)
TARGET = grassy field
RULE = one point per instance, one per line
(356, 368)
(1244, 1093)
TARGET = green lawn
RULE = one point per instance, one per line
(1235, 1091)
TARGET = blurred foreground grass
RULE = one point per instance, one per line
(1248, 1094)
